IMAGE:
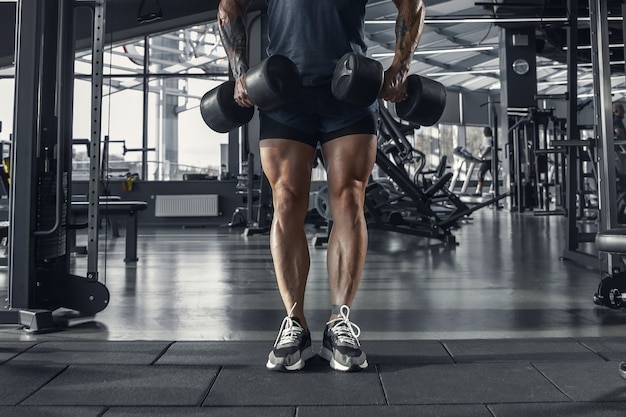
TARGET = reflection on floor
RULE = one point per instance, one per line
(498, 326)
(505, 279)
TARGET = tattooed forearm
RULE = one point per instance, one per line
(409, 26)
(231, 15)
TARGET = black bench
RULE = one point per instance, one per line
(612, 286)
(611, 291)
(124, 209)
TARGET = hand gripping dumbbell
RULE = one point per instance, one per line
(271, 84)
(358, 80)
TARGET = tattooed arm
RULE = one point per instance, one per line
(409, 27)
(231, 20)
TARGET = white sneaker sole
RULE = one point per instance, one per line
(328, 355)
(305, 355)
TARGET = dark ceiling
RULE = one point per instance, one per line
(553, 36)
(462, 71)
(122, 23)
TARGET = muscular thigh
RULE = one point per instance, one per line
(349, 159)
(287, 164)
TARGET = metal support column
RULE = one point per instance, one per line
(574, 236)
(603, 123)
(26, 124)
(39, 278)
(572, 126)
(624, 24)
(495, 164)
(97, 67)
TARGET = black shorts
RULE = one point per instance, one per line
(317, 116)
(484, 167)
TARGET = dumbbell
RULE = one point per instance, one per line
(358, 80)
(271, 84)
(611, 292)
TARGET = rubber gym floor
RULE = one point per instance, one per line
(499, 325)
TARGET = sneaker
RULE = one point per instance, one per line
(341, 345)
(292, 347)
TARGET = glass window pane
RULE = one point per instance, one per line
(448, 140)
(183, 66)
(199, 146)
(197, 50)
(122, 123)
(7, 86)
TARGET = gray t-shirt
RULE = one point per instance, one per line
(314, 34)
(487, 143)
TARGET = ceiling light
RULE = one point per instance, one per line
(468, 72)
(495, 70)
(475, 20)
(452, 50)
(580, 47)
(588, 95)
(478, 19)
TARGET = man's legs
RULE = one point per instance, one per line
(287, 165)
(349, 161)
(484, 167)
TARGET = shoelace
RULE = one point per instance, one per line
(289, 331)
(344, 329)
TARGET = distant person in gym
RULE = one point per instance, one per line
(619, 134)
(618, 124)
(315, 35)
(484, 154)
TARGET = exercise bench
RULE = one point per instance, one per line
(117, 208)
(613, 287)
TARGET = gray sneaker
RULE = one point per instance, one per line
(340, 346)
(292, 347)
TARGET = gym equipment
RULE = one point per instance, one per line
(622, 370)
(321, 203)
(425, 101)
(271, 84)
(358, 80)
(398, 204)
(256, 215)
(39, 275)
(127, 210)
(221, 112)
(612, 289)
(465, 157)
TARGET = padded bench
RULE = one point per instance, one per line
(116, 208)
(612, 241)
(613, 285)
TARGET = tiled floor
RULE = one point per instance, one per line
(497, 326)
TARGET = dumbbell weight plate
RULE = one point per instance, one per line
(273, 83)
(221, 112)
(322, 205)
(425, 102)
(610, 292)
(357, 79)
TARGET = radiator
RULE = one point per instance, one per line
(190, 205)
